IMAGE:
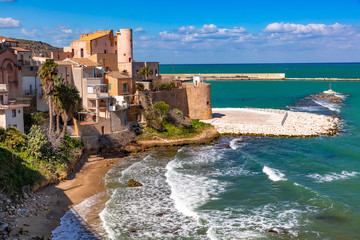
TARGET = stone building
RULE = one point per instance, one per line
(93, 43)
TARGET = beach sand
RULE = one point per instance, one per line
(55, 200)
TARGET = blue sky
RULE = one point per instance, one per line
(243, 31)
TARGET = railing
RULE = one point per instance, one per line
(3, 87)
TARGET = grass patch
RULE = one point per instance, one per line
(172, 132)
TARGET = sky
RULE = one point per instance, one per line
(197, 31)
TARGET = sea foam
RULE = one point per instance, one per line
(73, 224)
(274, 174)
(329, 177)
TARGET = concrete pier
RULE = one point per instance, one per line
(271, 122)
(247, 77)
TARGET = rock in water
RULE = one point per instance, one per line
(133, 183)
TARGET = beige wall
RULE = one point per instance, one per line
(194, 102)
(176, 98)
(59, 56)
(199, 100)
(107, 61)
(125, 45)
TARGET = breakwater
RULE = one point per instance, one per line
(272, 122)
(248, 76)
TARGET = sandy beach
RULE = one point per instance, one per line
(41, 215)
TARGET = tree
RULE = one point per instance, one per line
(145, 71)
(68, 100)
(47, 73)
(56, 101)
(161, 108)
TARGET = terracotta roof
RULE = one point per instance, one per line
(7, 39)
(13, 106)
(82, 61)
(19, 49)
(117, 74)
(64, 63)
(92, 36)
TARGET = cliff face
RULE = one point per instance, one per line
(38, 47)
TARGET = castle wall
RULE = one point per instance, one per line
(176, 98)
(199, 100)
(103, 45)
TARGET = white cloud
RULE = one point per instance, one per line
(9, 23)
(304, 29)
(66, 30)
(277, 41)
(139, 30)
(30, 34)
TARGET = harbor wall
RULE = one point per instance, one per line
(226, 76)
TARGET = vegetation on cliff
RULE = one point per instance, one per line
(38, 47)
(27, 159)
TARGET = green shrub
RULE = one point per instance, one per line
(161, 108)
(37, 143)
(14, 139)
(39, 118)
(178, 112)
(140, 87)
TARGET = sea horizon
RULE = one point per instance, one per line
(291, 70)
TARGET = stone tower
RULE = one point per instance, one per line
(124, 46)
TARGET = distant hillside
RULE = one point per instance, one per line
(38, 47)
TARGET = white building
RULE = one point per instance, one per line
(11, 114)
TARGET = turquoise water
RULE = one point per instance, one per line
(291, 70)
(247, 187)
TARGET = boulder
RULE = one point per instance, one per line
(133, 183)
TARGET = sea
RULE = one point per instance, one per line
(241, 187)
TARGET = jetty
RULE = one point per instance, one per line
(272, 122)
(246, 77)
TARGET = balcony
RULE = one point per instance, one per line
(95, 91)
(3, 88)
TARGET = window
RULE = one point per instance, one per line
(72, 52)
(13, 113)
(19, 111)
(129, 59)
(81, 52)
(105, 51)
(109, 87)
(115, 43)
(156, 72)
(58, 56)
(124, 87)
(31, 68)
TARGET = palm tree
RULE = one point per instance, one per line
(58, 81)
(69, 100)
(47, 73)
(145, 71)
